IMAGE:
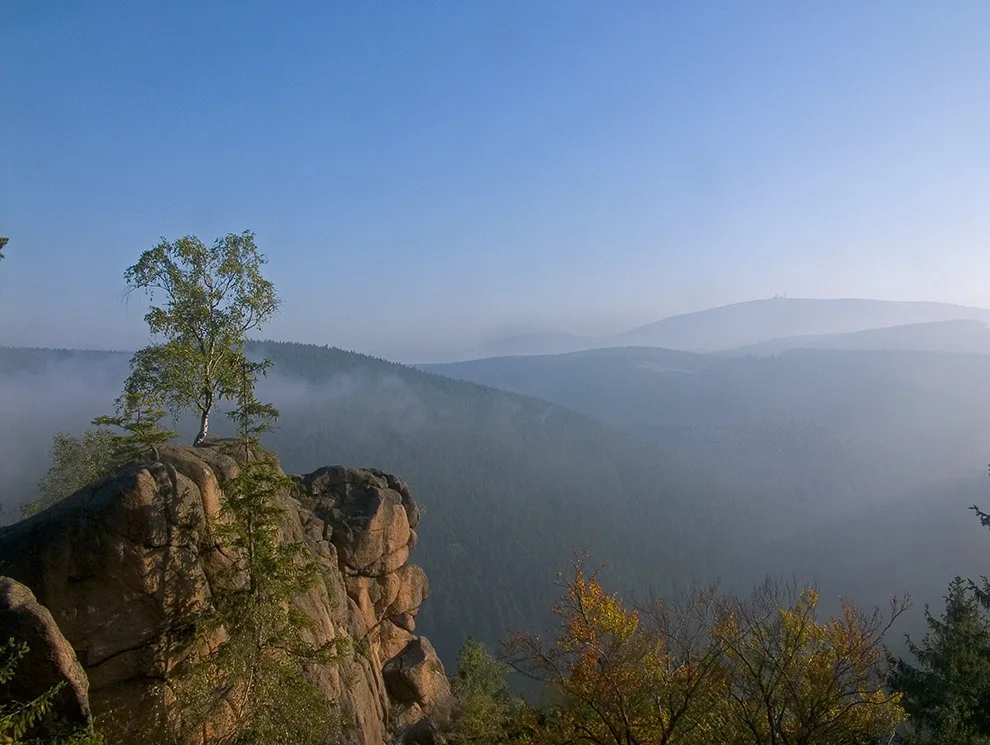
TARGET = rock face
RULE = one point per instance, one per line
(50, 659)
(125, 564)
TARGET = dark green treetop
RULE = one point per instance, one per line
(947, 691)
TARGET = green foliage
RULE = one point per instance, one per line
(982, 588)
(709, 670)
(947, 691)
(76, 462)
(252, 417)
(213, 296)
(3, 244)
(251, 689)
(18, 719)
(140, 419)
(794, 679)
(947, 694)
(485, 711)
(79, 461)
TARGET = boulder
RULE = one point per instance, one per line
(369, 520)
(416, 676)
(49, 661)
(126, 564)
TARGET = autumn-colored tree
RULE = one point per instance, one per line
(625, 676)
(710, 670)
(795, 681)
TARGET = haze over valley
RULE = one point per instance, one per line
(494, 373)
(671, 465)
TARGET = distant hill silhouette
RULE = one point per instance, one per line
(738, 325)
(752, 322)
(962, 336)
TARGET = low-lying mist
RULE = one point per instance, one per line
(726, 476)
(67, 392)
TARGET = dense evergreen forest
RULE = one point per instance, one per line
(511, 485)
(706, 468)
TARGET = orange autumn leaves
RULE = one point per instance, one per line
(705, 668)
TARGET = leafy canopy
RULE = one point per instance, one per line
(793, 679)
(76, 462)
(485, 710)
(79, 461)
(211, 297)
(712, 670)
(648, 675)
(947, 686)
(947, 690)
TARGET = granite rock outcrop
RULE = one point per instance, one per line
(126, 564)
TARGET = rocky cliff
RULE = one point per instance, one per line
(125, 565)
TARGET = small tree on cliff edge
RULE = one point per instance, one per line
(213, 296)
(252, 688)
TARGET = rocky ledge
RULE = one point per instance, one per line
(125, 565)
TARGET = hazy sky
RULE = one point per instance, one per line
(427, 175)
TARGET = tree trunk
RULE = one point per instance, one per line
(204, 426)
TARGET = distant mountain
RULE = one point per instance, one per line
(741, 324)
(550, 342)
(962, 336)
(738, 325)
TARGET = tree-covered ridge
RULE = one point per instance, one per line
(511, 484)
(35, 360)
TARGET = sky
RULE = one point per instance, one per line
(426, 176)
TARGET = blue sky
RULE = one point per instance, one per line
(425, 176)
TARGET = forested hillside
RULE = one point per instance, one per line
(511, 486)
(708, 468)
(832, 422)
